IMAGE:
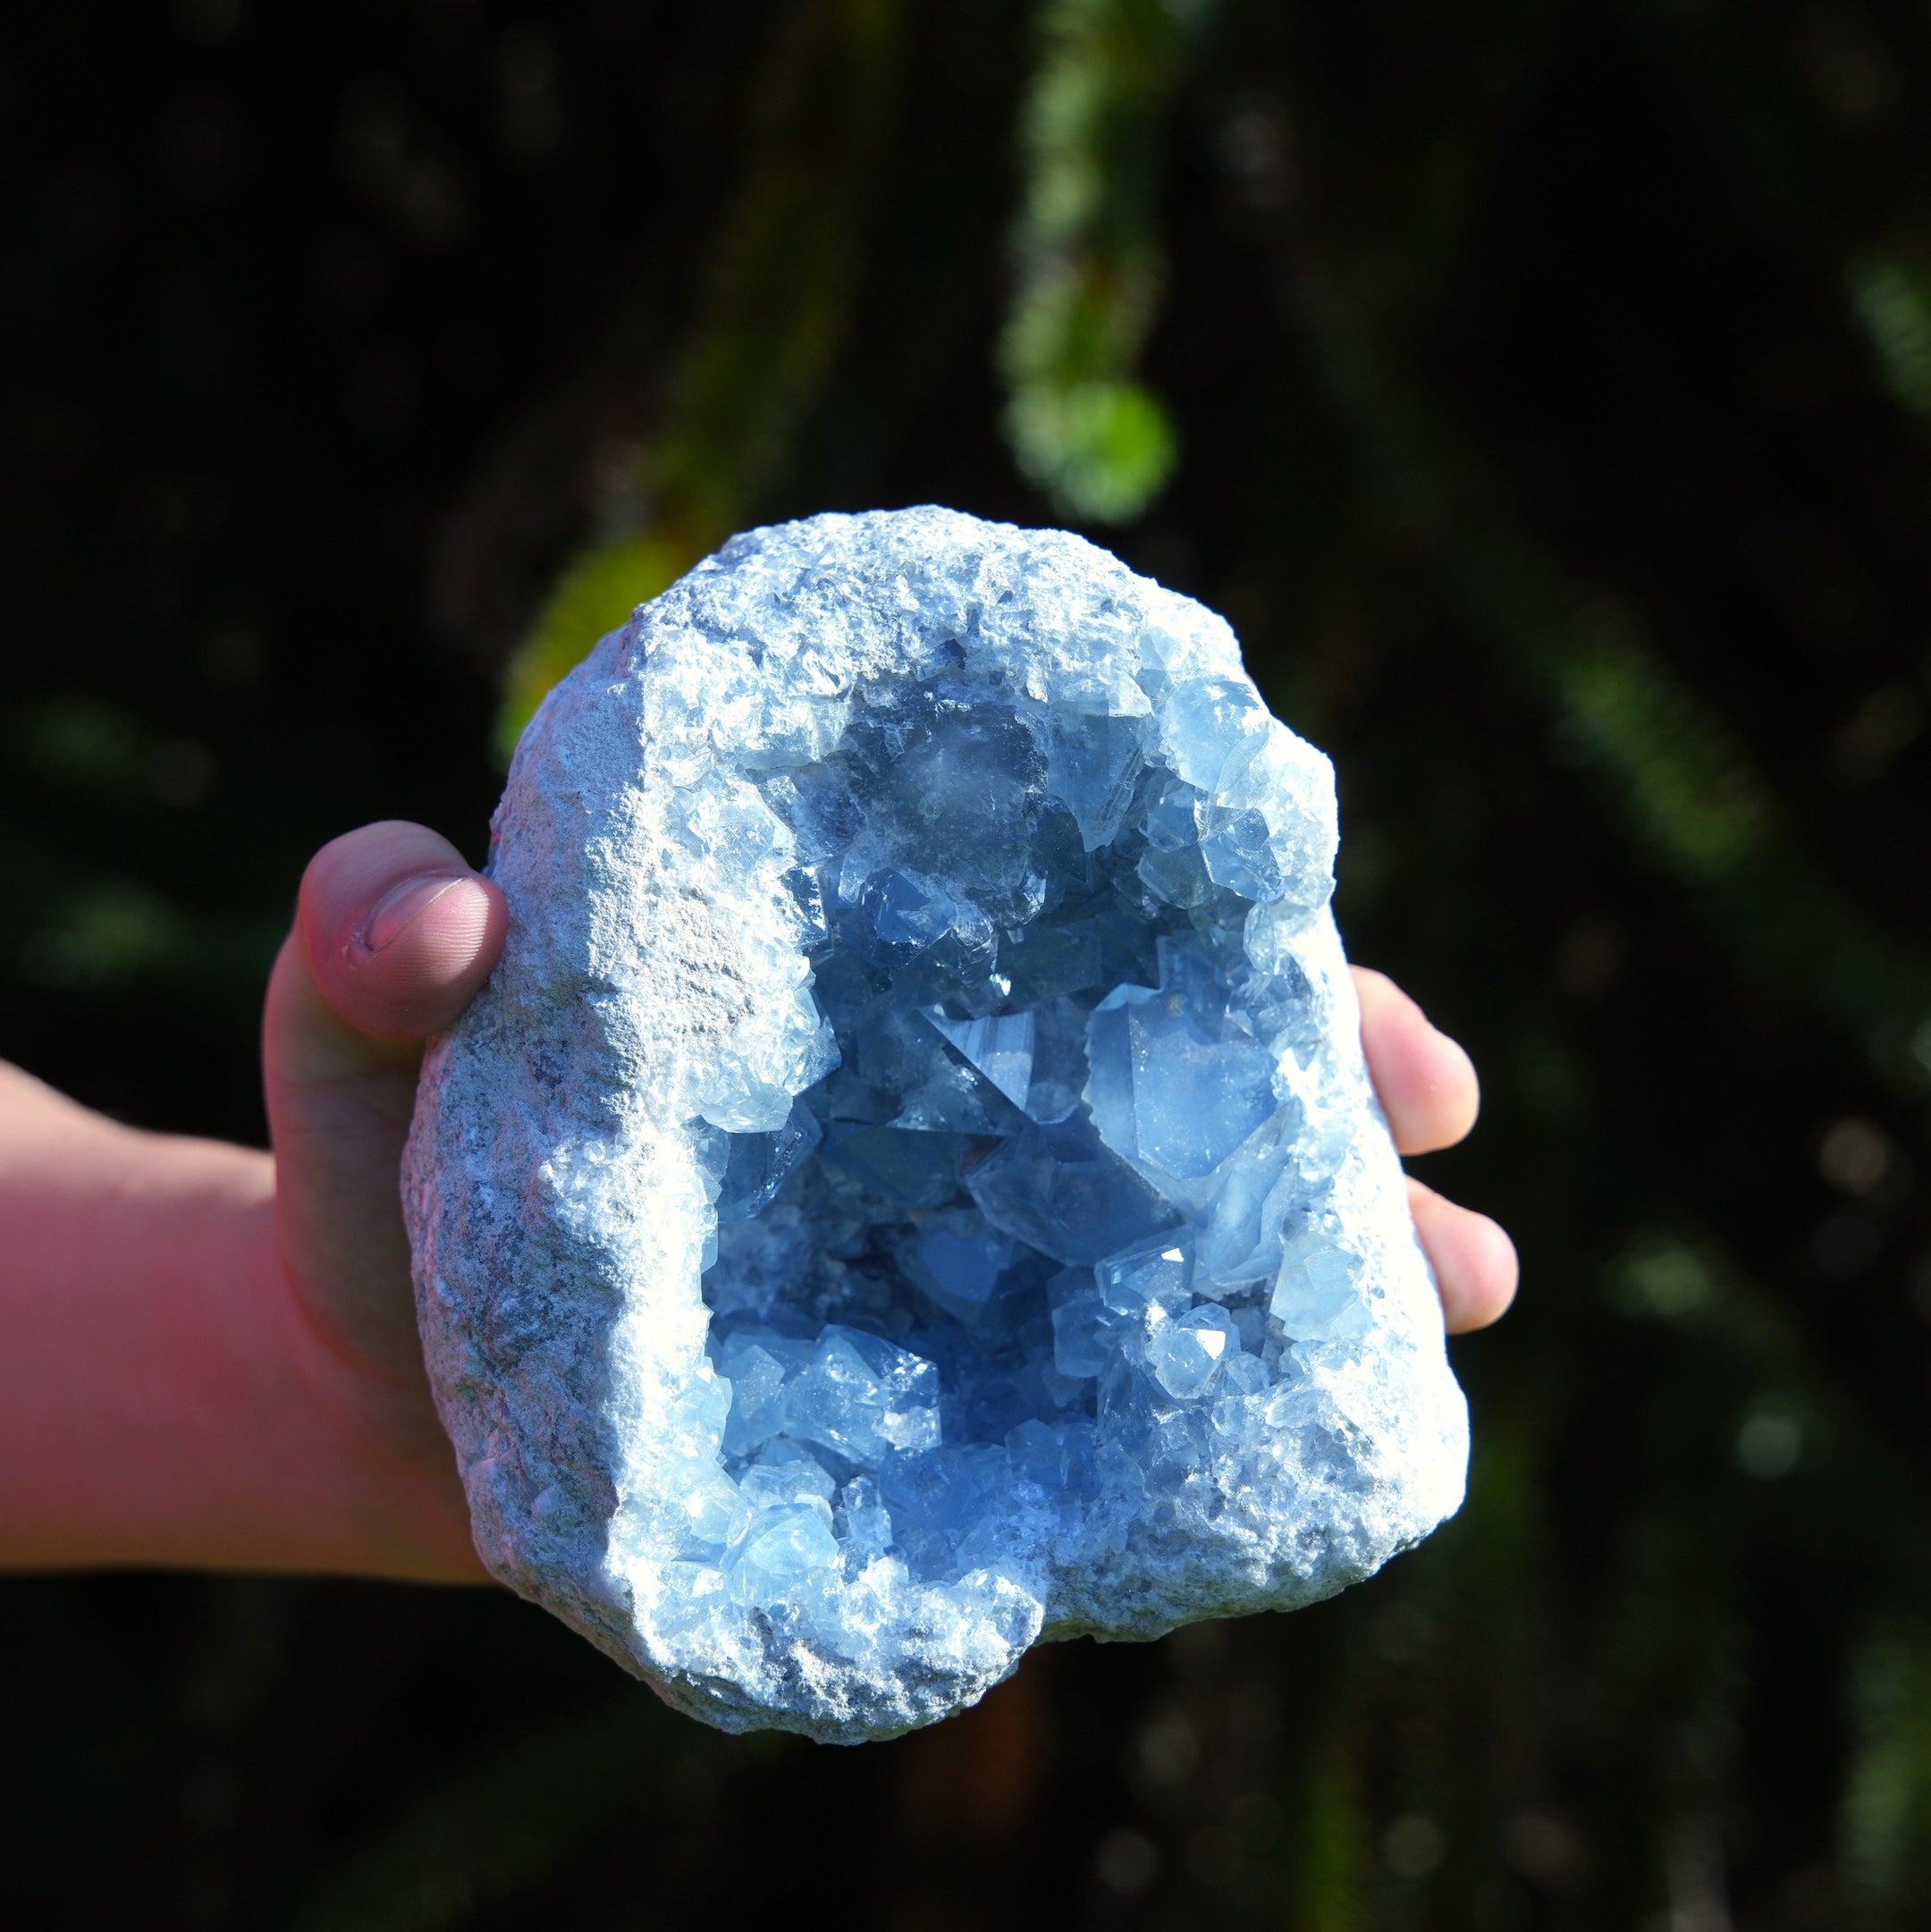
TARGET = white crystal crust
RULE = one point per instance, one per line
(911, 1188)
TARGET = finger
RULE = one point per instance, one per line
(398, 932)
(1474, 1260)
(1425, 1082)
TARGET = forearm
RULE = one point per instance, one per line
(162, 1399)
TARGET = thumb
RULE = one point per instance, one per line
(398, 932)
(393, 936)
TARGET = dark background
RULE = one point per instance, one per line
(1552, 388)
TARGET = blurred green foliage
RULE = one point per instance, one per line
(1540, 387)
(1893, 300)
(1089, 259)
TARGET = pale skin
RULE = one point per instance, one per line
(208, 1356)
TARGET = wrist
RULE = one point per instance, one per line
(164, 1401)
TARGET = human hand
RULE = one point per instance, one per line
(1428, 1090)
(208, 1358)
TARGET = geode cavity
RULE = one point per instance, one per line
(911, 1188)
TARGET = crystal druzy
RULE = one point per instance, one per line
(912, 1188)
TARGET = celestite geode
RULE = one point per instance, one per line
(911, 1188)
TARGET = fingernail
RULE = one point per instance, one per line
(402, 905)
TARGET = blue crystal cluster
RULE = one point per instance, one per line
(942, 1123)
(1028, 1229)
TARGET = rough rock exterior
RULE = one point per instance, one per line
(911, 1188)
